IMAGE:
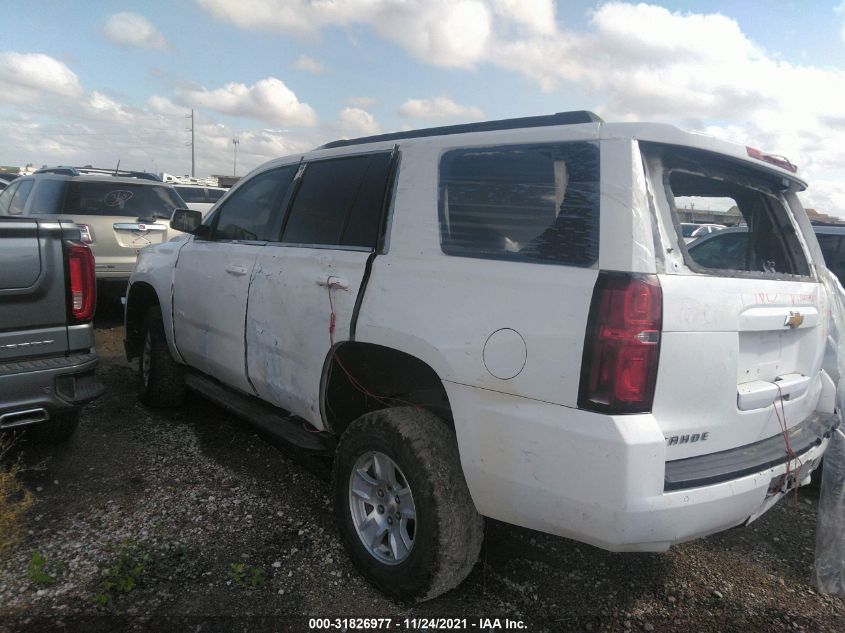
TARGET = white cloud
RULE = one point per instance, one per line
(134, 30)
(357, 122)
(165, 106)
(439, 32)
(362, 102)
(448, 33)
(309, 65)
(30, 77)
(267, 100)
(535, 15)
(439, 108)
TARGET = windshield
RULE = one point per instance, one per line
(121, 199)
(688, 229)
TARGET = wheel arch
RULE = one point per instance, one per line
(359, 377)
(140, 298)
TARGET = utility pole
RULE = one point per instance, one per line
(191, 117)
(235, 142)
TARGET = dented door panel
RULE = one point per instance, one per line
(287, 327)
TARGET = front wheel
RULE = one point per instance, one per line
(162, 378)
(403, 508)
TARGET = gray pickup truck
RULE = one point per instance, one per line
(47, 302)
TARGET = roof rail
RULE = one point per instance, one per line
(67, 170)
(561, 118)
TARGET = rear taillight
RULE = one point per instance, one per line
(82, 282)
(622, 344)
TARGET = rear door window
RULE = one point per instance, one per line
(248, 214)
(532, 203)
(339, 202)
(123, 199)
(709, 183)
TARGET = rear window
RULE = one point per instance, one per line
(707, 183)
(120, 199)
(531, 203)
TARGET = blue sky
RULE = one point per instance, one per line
(93, 82)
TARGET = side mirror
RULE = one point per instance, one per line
(186, 220)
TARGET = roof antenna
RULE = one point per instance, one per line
(117, 168)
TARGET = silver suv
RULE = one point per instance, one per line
(117, 211)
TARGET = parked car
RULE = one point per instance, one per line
(480, 318)
(118, 212)
(47, 299)
(198, 197)
(729, 248)
(692, 231)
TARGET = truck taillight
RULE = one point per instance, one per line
(622, 344)
(82, 282)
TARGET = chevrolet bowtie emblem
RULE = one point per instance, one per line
(793, 320)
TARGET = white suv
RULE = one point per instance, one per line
(502, 319)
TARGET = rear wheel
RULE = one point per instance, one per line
(162, 378)
(403, 508)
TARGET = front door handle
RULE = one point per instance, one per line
(234, 269)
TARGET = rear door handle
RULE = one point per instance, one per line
(234, 269)
(334, 282)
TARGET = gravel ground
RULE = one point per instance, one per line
(187, 520)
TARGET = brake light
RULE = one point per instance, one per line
(82, 282)
(772, 159)
(622, 344)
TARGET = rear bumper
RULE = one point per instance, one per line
(600, 479)
(46, 386)
(714, 468)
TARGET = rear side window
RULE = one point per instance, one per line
(248, 213)
(213, 195)
(6, 197)
(47, 197)
(20, 197)
(191, 194)
(339, 202)
(726, 251)
(125, 199)
(533, 203)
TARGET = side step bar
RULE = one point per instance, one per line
(267, 418)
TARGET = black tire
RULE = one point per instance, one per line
(58, 428)
(448, 531)
(163, 384)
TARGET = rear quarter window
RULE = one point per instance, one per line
(531, 203)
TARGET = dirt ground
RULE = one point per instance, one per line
(186, 520)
